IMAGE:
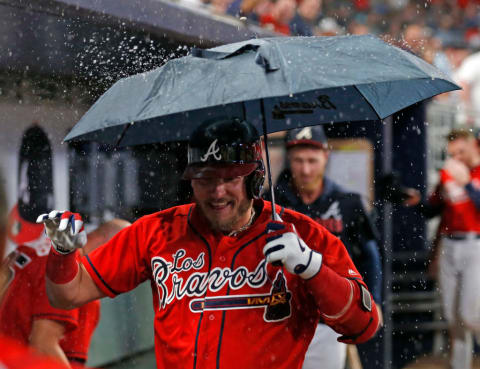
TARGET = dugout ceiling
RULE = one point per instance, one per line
(106, 39)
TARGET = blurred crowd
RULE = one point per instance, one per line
(442, 20)
(442, 32)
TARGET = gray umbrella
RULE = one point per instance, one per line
(275, 83)
(287, 82)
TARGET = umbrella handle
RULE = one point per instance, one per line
(275, 216)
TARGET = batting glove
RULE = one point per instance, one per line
(65, 230)
(284, 247)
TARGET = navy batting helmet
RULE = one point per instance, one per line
(226, 148)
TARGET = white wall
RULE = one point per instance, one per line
(55, 118)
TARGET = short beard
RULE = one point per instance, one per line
(228, 225)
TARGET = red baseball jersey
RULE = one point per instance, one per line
(25, 301)
(217, 303)
(460, 213)
(13, 355)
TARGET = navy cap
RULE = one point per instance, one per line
(313, 136)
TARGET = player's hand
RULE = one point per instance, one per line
(459, 171)
(284, 247)
(65, 230)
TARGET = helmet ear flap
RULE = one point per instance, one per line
(254, 182)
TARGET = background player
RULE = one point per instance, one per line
(457, 199)
(220, 293)
(25, 313)
(27, 316)
(304, 187)
(12, 353)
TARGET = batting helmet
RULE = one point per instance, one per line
(226, 148)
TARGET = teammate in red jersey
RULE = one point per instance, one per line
(25, 313)
(457, 199)
(231, 288)
(13, 355)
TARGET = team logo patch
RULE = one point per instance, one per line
(304, 134)
(213, 150)
(332, 219)
(22, 260)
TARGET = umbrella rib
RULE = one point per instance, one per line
(125, 129)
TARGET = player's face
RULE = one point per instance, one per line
(464, 150)
(223, 201)
(308, 167)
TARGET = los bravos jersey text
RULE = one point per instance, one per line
(188, 277)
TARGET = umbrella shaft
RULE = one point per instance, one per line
(267, 157)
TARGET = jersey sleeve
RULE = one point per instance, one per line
(42, 309)
(343, 300)
(119, 265)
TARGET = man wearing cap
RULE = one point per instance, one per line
(231, 288)
(304, 187)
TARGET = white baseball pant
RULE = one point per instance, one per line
(325, 352)
(459, 277)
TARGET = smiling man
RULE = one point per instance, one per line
(304, 187)
(231, 288)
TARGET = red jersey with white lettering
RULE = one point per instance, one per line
(459, 213)
(217, 304)
(25, 301)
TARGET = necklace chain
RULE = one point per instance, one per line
(246, 226)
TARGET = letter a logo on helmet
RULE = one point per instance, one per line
(213, 149)
(304, 134)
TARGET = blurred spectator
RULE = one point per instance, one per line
(451, 54)
(328, 27)
(358, 28)
(251, 9)
(219, 6)
(414, 39)
(305, 18)
(468, 76)
(279, 18)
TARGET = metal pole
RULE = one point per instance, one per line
(269, 172)
(388, 238)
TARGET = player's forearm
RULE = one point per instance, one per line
(68, 283)
(344, 305)
(45, 337)
(52, 350)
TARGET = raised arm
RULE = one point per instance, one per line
(68, 283)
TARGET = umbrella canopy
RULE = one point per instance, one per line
(276, 83)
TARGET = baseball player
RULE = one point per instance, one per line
(12, 353)
(457, 199)
(27, 316)
(231, 288)
(304, 187)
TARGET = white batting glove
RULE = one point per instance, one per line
(284, 247)
(65, 230)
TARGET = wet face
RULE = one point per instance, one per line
(307, 165)
(464, 150)
(223, 201)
